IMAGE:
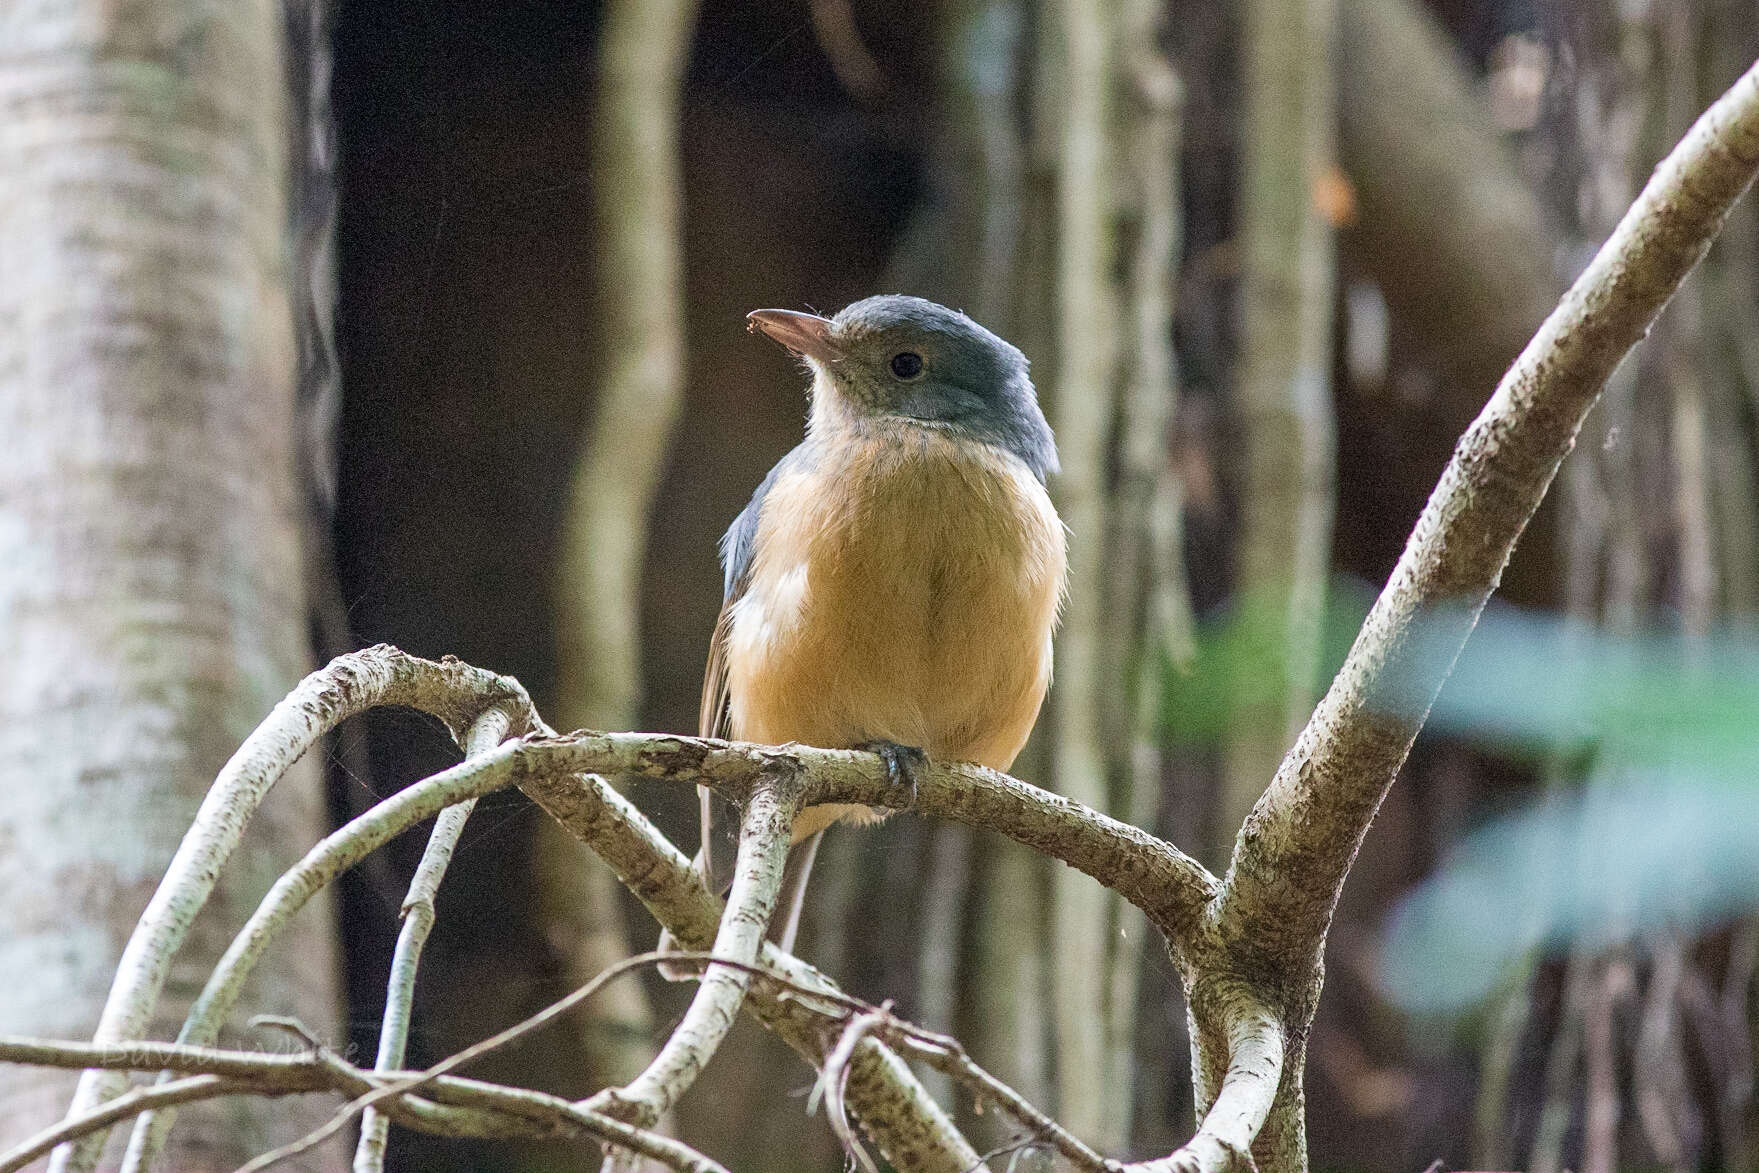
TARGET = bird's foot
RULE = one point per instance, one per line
(905, 764)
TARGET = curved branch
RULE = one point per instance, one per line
(1312, 818)
(1164, 882)
(117, 1108)
(834, 1079)
(1243, 1104)
(467, 1107)
(947, 1055)
(1171, 887)
(502, 767)
(450, 690)
(391, 1092)
(562, 775)
(505, 766)
(757, 881)
(896, 1112)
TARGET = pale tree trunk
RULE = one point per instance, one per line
(1081, 412)
(638, 187)
(150, 574)
(1151, 627)
(1284, 386)
(1111, 99)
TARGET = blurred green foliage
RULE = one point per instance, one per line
(1652, 828)
(1236, 662)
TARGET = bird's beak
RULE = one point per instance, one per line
(804, 334)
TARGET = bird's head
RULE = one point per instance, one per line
(907, 358)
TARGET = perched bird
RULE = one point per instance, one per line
(895, 581)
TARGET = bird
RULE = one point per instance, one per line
(896, 580)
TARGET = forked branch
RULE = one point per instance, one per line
(1295, 849)
(757, 881)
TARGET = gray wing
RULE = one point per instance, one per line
(720, 828)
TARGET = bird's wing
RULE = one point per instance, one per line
(720, 827)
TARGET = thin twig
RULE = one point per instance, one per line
(486, 732)
(129, 1103)
(943, 1053)
(466, 1107)
(452, 1063)
(946, 1054)
(834, 1079)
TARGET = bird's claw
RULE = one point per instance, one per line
(905, 764)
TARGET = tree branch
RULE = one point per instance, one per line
(594, 1120)
(1295, 849)
(135, 1100)
(450, 690)
(507, 1116)
(562, 775)
(515, 1111)
(1311, 820)
(757, 881)
(486, 733)
(1244, 1101)
(1171, 887)
(506, 765)
(896, 1112)
(472, 1108)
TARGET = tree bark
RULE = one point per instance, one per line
(1081, 409)
(643, 54)
(1284, 390)
(150, 569)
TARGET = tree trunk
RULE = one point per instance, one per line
(150, 573)
(643, 56)
(1284, 390)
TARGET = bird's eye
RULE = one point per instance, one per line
(907, 365)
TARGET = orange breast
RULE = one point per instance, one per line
(906, 589)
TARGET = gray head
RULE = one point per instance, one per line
(909, 358)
